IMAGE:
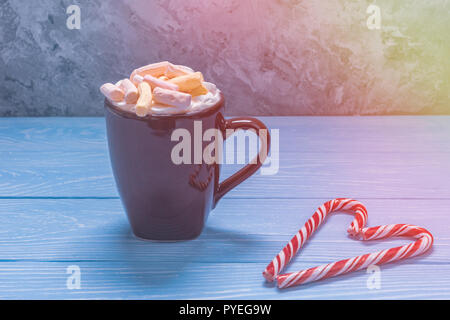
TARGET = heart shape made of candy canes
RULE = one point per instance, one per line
(423, 243)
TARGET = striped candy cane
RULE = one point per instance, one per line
(284, 257)
(423, 243)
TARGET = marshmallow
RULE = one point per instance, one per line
(154, 69)
(137, 79)
(131, 92)
(200, 90)
(172, 98)
(112, 92)
(188, 82)
(155, 82)
(164, 78)
(177, 71)
(145, 99)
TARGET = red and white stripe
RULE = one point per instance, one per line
(289, 251)
(423, 243)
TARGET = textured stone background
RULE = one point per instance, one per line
(273, 57)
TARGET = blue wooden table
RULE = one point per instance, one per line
(59, 208)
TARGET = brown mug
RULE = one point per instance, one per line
(164, 200)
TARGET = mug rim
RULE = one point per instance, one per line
(199, 114)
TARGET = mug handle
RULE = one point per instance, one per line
(244, 123)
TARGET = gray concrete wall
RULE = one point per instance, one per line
(274, 57)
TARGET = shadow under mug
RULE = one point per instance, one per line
(164, 200)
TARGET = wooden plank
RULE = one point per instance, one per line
(404, 160)
(303, 134)
(384, 157)
(44, 134)
(137, 280)
(241, 230)
(301, 175)
(56, 174)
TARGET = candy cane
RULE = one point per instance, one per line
(423, 243)
(290, 250)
